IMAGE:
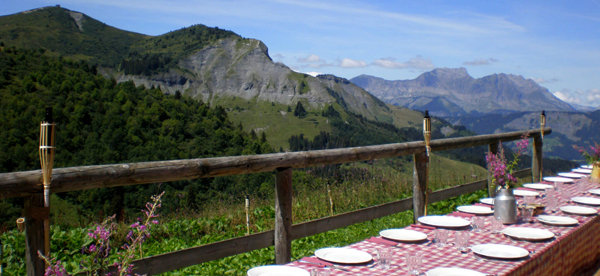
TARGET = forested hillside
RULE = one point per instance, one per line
(102, 122)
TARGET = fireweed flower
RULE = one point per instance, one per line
(502, 171)
(593, 155)
(98, 251)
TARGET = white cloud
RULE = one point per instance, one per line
(311, 58)
(480, 61)
(350, 63)
(566, 96)
(414, 63)
(542, 80)
(593, 95)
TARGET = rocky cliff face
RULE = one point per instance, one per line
(453, 92)
(236, 67)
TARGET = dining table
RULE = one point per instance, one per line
(572, 249)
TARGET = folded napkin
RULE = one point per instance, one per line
(461, 214)
(382, 241)
(526, 189)
(422, 226)
(314, 261)
(491, 206)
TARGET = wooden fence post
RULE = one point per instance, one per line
(420, 184)
(493, 148)
(536, 159)
(34, 233)
(283, 215)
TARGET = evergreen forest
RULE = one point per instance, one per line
(102, 122)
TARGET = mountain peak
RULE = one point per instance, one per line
(462, 94)
(451, 72)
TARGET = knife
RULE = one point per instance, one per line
(331, 266)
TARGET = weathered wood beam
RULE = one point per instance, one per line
(420, 175)
(283, 215)
(536, 159)
(34, 234)
(493, 148)
(20, 184)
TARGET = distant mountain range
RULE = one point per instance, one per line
(492, 104)
(453, 92)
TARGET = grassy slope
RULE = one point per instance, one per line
(404, 117)
(275, 120)
(53, 29)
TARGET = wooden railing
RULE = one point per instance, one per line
(27, 184)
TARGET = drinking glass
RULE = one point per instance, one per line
(550, 199)
(461, 240)
(320, 272)
(528, 200)
(477, 223)
(496, 225)
(384, 258)
(527, 214)
(441, 237)
(558, 186)
(565, 194)
(585, 180)
(413, 262)
(580, 185)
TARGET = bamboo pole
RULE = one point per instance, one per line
(47, 150)
(330, 199)
(247, 215)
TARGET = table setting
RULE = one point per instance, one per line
(472, 240)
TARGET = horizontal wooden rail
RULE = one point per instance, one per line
(200, 254)
(20, 184)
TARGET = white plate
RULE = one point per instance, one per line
(452, 271)
(594, 191)
(500, 251)
(587, 166)
(570, 175)
(487, 200)
(343, 255)
(444, 221)
(558, 179)
(538, 186)
(578, 210)
(584, 171)
(525, 193)
(586, 200)
(527, 233)
(277, 270)
(404, 235)
(479, 210)
(557, 220)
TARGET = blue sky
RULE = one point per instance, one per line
(555, 43)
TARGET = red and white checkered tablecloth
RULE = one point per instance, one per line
(574, 250)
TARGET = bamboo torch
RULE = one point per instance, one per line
(47, 149)
(247, 215)
(427, 130)
(543, 122)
